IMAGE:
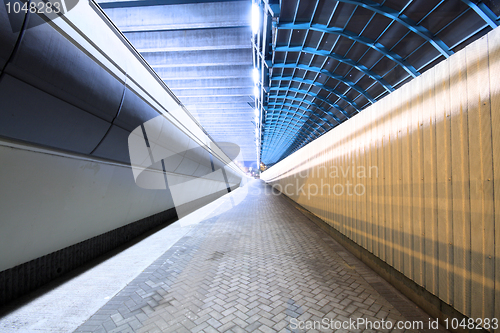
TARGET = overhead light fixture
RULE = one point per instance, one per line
(256, 92)
(256, 112)
(255, 18)
(255, 75)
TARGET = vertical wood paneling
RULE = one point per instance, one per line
(494, 67)
(331, 202)
(416, 155)
(397, 203)
(333, 181)
(473, 56)
(388, 195)
(376, 183)
(460, 182)
(407, 184)
(363, 181)
(429, 182)
(349, 163)
(355, 146)
(433, 212)
(488, 249)
(369, 188)
(345, 208)
(382, 135)
(443, 180)
(480, 161)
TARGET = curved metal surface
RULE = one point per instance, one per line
(310, 93)
(365, 70)
(279, 107)
(61, 94)
(340, 95)
(298, 135)
(356, 38)
(55, 94)
(335, 106)
(404, 20)
(10, 32)
(307, 102)
(408, 41)
(484, 12)
(326, 73)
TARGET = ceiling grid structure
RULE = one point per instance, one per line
(202, 50)
(331, 59)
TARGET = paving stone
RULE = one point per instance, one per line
(210, 329)
(252, 267)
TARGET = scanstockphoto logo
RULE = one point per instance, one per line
(347, 180)
(165, 158)
(31, 13)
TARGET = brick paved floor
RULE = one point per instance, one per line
(259, 266)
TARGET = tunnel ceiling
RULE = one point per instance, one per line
(321, 62)
(329, 60)
(203, 52)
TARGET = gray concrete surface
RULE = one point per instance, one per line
(66, 303)
(260, 266)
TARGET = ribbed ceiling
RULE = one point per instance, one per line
(332, 59)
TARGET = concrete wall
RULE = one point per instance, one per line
(426, 161)
(73, 96)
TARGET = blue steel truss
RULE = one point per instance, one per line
(356, 38)
(312, 94)
(326, 73)
(275, 106)
(317, 125)
(404, 20)
(329, 103)
(307, 102)
(317, 84)
(484, 12)
(278, 122)
(302, 114)
(310, 130)
(339, 58)
(299, 133)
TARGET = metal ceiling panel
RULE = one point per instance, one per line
(331, 59)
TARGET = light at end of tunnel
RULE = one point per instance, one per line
(256, 92)
(255, 18)
(255, 75)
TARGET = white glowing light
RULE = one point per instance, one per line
(255, 18)
(256, 112)
(255, 75)
(256, 92)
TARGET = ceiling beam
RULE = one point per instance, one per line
(484, 12)
(322, 86)
(143, 3)
(354, 37)
(331, 104)
(307, 102)
(338, 58)
(404, 20)
(326, 73)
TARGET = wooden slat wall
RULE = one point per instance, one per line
(431, 206)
